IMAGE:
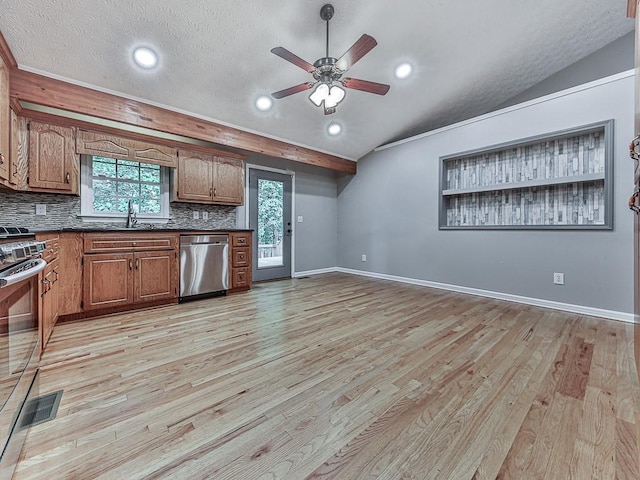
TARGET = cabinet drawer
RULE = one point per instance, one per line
(97, 243)
(241, 240)
(241, 257)
(240, 277)
(52, 246)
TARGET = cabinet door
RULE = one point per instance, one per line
(241, 257)
(155, 277)
(48, 306)
(19, 162)
(100, 144)
(4, 121)
(228, 182)
(51, 157)
(145, 152)
(195, 180)
(240, 278)
(108, 280)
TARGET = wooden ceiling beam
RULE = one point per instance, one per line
(49, 92)
(632, 6)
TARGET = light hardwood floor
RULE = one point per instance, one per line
(343, 377)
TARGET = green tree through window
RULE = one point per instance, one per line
(270, 211)
(115, 182)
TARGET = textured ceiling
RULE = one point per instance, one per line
(468, 56)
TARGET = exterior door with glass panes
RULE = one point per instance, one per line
(270, 220)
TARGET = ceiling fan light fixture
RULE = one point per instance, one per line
(403, 70)
(264, 103)
(319, 94)
(145, 58)
(334, 129)
(330, 95)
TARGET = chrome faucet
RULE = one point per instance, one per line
(131, 215)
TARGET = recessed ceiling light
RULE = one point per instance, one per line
(264, 103)
(334, 129)
(145, 57)
(403, 70)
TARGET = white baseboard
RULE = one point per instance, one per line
(538, 302)
(315, 272)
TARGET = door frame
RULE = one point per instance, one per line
(244, 210)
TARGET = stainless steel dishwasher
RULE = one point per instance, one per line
(204, 265)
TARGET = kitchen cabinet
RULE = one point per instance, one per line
(70, 270)
(129, 269)
(49, 291)
(4, 121)
(53, 163)
(240, 261)
(113, 146)
(207, 178)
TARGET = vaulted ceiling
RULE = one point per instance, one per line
(215, 59)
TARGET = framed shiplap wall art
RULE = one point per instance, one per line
(561, 180)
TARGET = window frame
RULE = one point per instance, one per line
(86, 197)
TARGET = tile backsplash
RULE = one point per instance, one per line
(19, 209)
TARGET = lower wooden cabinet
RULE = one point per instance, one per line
(116, 279)
(129, 269)
(49, 288)
(154, 276)
(240, 261)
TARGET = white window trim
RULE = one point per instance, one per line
(86, 199)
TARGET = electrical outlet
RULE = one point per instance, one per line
(300, 219)
(364, 257)
(558, 278)
(205, 215)
(196, 215)
(41, 208)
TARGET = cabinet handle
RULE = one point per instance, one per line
(137, 263)
(632, 201)
(67, 178)
(56, 279)
(1, 159)
(130, 264)
(211, 191)
(214, 192)
(15, 170)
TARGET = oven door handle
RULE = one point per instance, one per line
(18, 277)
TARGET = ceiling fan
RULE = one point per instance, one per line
(327, 71)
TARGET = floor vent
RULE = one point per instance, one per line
(41, 409)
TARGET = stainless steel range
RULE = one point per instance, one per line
(20, 264)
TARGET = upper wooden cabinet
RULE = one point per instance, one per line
(228, 181)
(194, 177)
(206, 178)
(53, 164)
(4, 121)
(112, 146)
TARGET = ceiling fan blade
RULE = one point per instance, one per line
(366, 86)
(291, 90)
(290, 57)
(358, 50)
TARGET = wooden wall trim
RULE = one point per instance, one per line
(41, 90)
(631, 8)
(6, 54)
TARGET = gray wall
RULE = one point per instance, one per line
(316, 199)
(618, 56)
(389, 211)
